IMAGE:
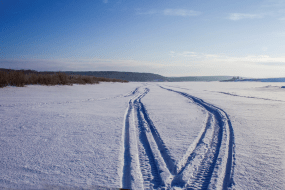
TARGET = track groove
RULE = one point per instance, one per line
(207, 164)
(148, 163)
(127, 155)
(161, 145)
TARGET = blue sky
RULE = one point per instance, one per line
(167, 37)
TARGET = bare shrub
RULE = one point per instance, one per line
(87, 79)
(79, 80)
(31, 79)
(45, 79)
(62, 78)
(3, 79)
(19, 78)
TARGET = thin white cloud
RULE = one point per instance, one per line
(181, 12)
(183, 54)
(105, 1)
(150, 12)
(239, 16)
(219, 57)
(259, 59)
(220, 64)
(170, 12)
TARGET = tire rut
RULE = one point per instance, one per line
(147, 163)
(216, 169)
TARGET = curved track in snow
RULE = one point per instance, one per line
(207, 164)
(231, 94)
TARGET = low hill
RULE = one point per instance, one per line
(255, 80)
(129, 76)
(199, 78)
(272, 80)
(147, 77)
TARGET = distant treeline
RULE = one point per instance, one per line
(21, 78)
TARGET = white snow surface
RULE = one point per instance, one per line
(176, 118)
(143, 136)
(258, 120)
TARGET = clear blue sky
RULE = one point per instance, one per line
(167, 37)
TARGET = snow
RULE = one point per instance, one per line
(258, 122)
(176, 117)
(143, 136)
(63, 135)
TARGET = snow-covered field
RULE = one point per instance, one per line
(192, 135)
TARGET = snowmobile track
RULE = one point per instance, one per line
(147, 164)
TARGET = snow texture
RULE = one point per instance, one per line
(187, 135)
